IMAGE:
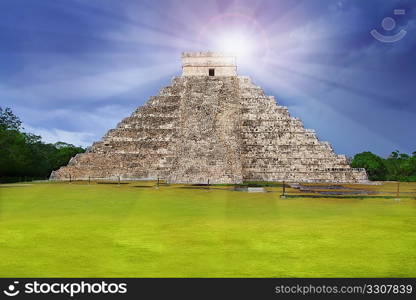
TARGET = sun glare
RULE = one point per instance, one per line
(237, 44)
(236, 34)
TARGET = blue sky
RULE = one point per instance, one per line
(72, 69)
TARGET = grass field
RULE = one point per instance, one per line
(127, 230)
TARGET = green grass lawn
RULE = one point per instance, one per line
(98, 230)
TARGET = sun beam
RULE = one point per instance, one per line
(238, 44)
(237, 34)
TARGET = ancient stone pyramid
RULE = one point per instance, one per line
(211, 125)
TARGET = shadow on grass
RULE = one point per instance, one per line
(143, 186)
(112, 183)
(347, 197)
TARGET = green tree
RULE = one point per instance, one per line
(64, 152)
(24, 154)
(373, 164)
(14, 153)
(400, 166)
(8, 120)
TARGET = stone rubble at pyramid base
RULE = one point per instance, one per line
(221, 129)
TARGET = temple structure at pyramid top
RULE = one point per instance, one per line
(208, 64)
(211, 125)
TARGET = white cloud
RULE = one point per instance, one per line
(87, 88)
(57, 135)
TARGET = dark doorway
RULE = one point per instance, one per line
(211, 72)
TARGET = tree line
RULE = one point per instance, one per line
(24, 155)
(397, 167)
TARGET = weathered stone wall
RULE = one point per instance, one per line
(221, 129)
(208, 142)
(204, 71)
(199, 63)
(276, 146)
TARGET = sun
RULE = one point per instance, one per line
(236, 34)
(236, 43)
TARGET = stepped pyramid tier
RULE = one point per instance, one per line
(211, 125)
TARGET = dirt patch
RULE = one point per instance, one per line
(143, 186)
(14, 185)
